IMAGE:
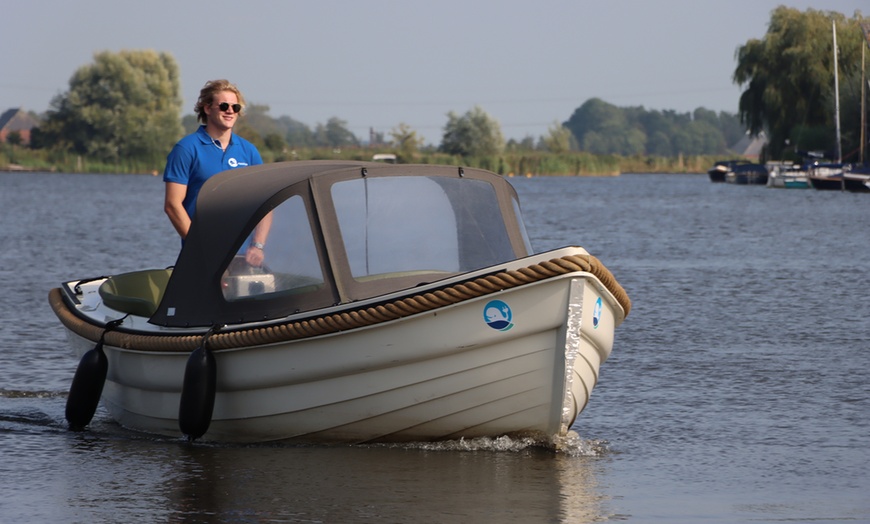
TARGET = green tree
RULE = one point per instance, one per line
(190, 123)
(603, 128)
(705, 115)
(711, 139)
(660, 129)
(526, 144)
(406, 142)
(296, 133)
(245, 130)
(275, 142)
(473, 134)
(558, 139)
(659, 144)
(789, 75)
(594, 123)
(335, 134)
(124, 106)
(633, 142)
(257, 117)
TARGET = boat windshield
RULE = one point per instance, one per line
(392, 225)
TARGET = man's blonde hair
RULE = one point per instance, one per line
(208, 93)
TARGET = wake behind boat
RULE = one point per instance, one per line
(395, 303)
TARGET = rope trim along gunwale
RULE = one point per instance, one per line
(345, 320)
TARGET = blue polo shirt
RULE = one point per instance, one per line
(196, 158)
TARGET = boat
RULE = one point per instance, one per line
(856, 182)
(829, 175)
(389, 158)
(723, 167)
(748, 173)
(717, 172)
(740, 171)
(825, 175)
(395, 303)
(857, 179)
(787, 175)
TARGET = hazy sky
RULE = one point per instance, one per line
(378, 63)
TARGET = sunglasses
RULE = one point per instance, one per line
(223, 106)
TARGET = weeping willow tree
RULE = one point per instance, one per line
(789, 81)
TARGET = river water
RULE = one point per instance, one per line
(738, 389)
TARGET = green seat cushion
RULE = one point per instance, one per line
(138, 293)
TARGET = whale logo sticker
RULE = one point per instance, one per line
(498, 315)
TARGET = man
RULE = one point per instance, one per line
(211, 149)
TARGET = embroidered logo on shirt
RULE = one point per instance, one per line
(235, 163)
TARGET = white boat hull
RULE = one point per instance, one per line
(440, 374)
(788, 181)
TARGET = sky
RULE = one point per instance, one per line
(379, 63)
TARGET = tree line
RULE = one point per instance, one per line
(126, 107)
(603, 128)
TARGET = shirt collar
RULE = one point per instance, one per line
(205, 138)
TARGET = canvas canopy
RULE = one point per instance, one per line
(338, 232)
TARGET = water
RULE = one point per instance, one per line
(737, 390)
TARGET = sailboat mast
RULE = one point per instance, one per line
(865, 28)
(837, 94)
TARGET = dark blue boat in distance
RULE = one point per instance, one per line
(749, 173)
(738, 172)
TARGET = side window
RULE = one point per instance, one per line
(290, 264)
(519, 213)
